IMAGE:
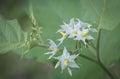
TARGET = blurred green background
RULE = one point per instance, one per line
(50, 14)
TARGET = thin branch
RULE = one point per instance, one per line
(43, 45)
(99, 30)
(98, 45)
(106, 70)
(88, 58)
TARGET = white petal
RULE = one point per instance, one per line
(84, 42)
(62, 66)
(71, 35)
(93, 30)
(65, 53)
(71, 21)
(73, 57)
(69, 30)
(60, 30)
(52, 43)
(51, 56)
(61, 40)
(77, 27)
(89, 25)
(58, 58)
(48, 53)
(89, 37)
(73, 64)
(85, 30)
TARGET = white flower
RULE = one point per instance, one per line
(83, 36)
(64, 31)
(64, 36)
(66, 60)
(86, 26)
(65, 28)
(74, 31)
(77, 30)
(53, 49)
(80, 31)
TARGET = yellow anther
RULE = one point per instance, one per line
(84, 34)
(66, 61)
(75, 32)
(62, 33)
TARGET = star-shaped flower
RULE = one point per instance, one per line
(86, 26)
(77, 30)
(65, 30)
(53, 49)
(74, 31)
(66, 60)
(83, 36)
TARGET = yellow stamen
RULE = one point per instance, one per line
(66, 61)
(51, 49)
(75, 32)
(62, 33)
(84, 34)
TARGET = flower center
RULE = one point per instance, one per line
(84, 34)
(51, 49)
(66, 61)
(75, 32)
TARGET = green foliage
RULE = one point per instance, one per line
(51, 13)
(110, 14)
(11, 36)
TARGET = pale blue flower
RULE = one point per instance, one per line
(53, 49)
(66, 60)
(83, 36)
(77, 30)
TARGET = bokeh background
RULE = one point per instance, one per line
(50, 14)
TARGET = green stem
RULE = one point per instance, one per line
(98, 45)
(106, 70)
(43, 45)
(88, 58)
(98, 56)
(99, 63)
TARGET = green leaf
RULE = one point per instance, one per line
(50, 14)
(110, 46)
(11, 36)
(103, 13)
(109, 17)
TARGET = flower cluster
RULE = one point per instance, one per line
(77, 30)
(66, 60)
